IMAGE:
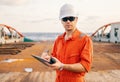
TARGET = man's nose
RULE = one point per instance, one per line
(68, 21)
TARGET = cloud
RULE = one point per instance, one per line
(92, 17)
(40, 21)
(13, 2)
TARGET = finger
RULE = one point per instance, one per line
(55, 58)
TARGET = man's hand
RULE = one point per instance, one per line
(45, 56)
(57, 65)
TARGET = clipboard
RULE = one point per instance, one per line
(45, 62)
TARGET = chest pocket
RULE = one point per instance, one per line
(73, 58)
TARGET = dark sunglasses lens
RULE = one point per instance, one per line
(64, 19)
(68, 18)
(71, 18)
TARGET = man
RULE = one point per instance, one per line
(72, 50)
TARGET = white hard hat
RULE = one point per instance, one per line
(68, 10)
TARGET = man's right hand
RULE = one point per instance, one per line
(45, 56)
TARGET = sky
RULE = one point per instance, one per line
(43, 15)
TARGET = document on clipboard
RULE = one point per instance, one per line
(45, 62)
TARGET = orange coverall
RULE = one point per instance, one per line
(77, 49)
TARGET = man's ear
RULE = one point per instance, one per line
(76, 18)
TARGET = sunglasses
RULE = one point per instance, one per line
(65, 19)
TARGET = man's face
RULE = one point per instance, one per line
(69, 23)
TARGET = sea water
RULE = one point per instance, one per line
(36, 36)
